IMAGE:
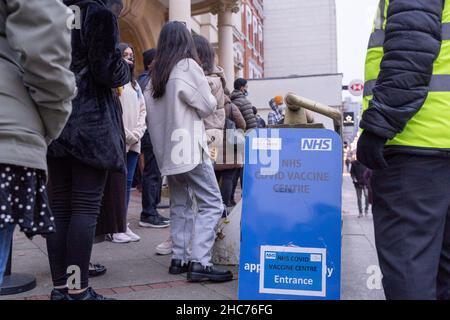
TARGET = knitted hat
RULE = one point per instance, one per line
(279, 100)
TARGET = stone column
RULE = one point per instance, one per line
(225, 9)
(180, 10)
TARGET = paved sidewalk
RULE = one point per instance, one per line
(136, 272)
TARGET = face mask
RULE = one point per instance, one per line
(131, 66)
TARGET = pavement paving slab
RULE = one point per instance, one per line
(136, 272)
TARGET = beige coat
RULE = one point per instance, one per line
(134, 116)
(36, 85)
(215, 123)
(175, 121)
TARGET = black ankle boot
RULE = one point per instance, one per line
(197, 273)
(176, 267)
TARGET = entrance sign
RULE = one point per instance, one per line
(294, 271)
(291, 215)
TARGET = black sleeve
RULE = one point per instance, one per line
(412, 44)
(105, 60)
(352, 171)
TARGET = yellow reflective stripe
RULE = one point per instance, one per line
(430, 127)
(442, 65)
(446, 14)
(377, 37)
(380, 16)
(373, 62)
(386, 6)
(439, 83)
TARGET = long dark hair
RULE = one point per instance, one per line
(205, 52)
(124, 46)
(175, 44)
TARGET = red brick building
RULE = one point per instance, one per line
(249, 40)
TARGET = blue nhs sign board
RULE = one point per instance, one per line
(291, 215)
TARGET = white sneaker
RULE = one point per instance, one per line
(165, 248)
(120, 238)
(133, 236)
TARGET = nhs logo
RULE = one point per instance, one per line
(317, 145)
(271, 255)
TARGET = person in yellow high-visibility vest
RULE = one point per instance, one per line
(406, 140)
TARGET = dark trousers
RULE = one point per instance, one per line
(132, 162)
(360, 190)
(226, 179)
(151, 179)
(75, 194)
(411, 214)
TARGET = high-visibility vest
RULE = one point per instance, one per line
(430, 127)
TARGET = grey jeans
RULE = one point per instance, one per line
(189, 229)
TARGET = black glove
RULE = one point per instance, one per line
(370, 151)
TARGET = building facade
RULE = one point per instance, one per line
(234, 27)
(300, 37)
(249, 40)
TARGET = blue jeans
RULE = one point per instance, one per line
(151, 179)
(6, 236)
(132, 161)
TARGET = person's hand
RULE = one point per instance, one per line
(370, 151)
(213, 153)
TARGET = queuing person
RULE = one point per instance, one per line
(151, 176)
(406, 141)
(239, 98)
(259, 119)
(134, 115)
(214, 123)
(36, 88)
(276, 116)
(231, 164)
(90, 145)
(178, 101)
(147, 58)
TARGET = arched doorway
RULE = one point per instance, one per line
(140, 25)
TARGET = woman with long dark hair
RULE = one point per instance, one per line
(215, 123)
(178, 100)
(133, 115)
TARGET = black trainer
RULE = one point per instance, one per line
(164, 218)
(197, 273)
(153, 222)
(59, 295)
(176, 267)
(89, 294)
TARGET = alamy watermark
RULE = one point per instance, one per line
(74, 278)
(375, 279)
(229, 147)
(74, 20)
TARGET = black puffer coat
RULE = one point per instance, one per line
(412, 43)
(246, 108)
(93, 134)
